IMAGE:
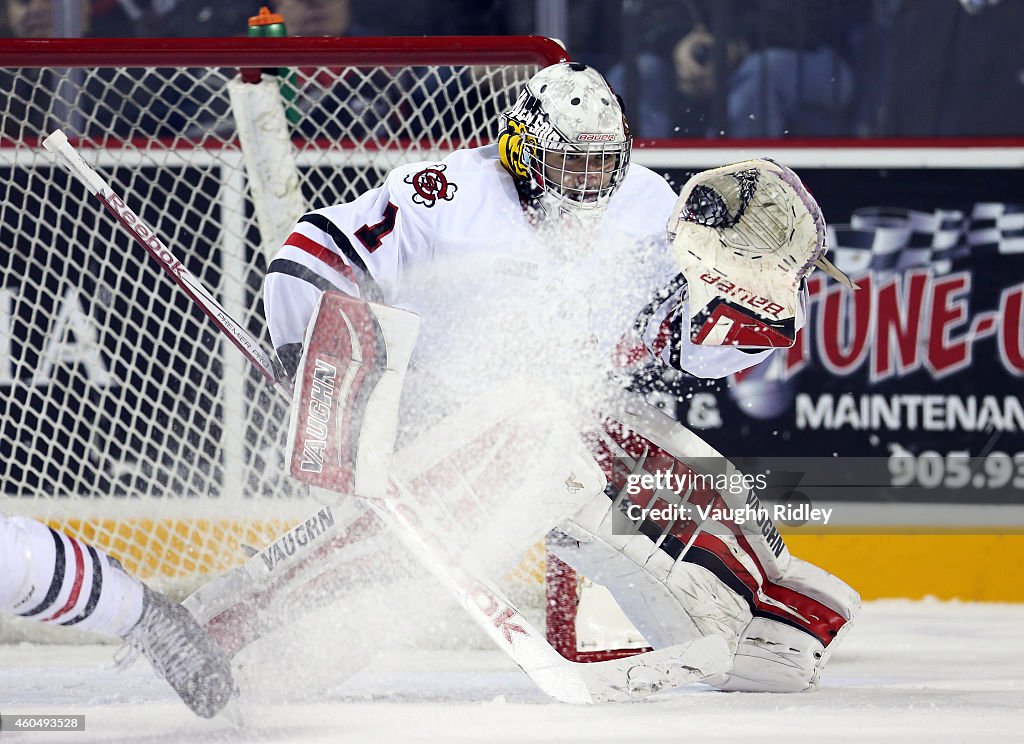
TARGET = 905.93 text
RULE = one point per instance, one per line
(957, 470)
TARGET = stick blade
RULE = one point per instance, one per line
(636, 677)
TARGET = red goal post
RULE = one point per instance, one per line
(128, 421)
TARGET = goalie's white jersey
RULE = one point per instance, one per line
(497, 295)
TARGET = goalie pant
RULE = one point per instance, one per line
(51, 577)
(782, 616)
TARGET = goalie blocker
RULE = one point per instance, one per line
(347, 385)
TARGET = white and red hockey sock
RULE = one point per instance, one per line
(57, 579)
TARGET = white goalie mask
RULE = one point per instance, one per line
(566, 140)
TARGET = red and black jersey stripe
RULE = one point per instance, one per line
(366, 283)
(293, 268)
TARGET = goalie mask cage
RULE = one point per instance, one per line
(127, 420)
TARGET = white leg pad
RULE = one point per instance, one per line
(669, 602)
(673, 604)
(691, 604)
(780, 615)
(819, 584)
(773, 657)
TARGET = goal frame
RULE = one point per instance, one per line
(255, 54)
(246, 52)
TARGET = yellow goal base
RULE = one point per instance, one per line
(878, 564)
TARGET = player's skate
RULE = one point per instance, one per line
(180, 652)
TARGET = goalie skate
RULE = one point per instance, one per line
(180, 652)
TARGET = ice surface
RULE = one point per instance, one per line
(907, 672)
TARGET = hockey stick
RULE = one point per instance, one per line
(616, 680)
(268, 153)
(57, 143)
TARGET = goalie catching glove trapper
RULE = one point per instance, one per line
(746, 236)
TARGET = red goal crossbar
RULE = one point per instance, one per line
(243, 51)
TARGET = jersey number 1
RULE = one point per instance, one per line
(371, 235)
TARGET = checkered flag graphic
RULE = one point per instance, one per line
(884, 239)
(996, 228)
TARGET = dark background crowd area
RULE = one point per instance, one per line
(685, 68)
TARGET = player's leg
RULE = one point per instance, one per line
(336, 553)
(781, 615)
(51, 577)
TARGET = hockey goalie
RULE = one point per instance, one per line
(491, 313)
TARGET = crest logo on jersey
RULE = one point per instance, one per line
(431, 185)
(512, 150)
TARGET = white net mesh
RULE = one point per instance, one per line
(126, 419)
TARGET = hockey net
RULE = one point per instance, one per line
(127, 420)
